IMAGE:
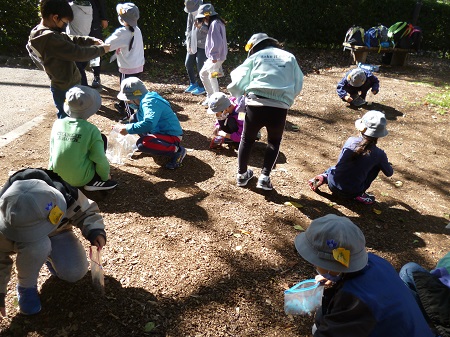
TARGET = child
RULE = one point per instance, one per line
(360, 161)
(129, 46)
(353, 87)
(216, 48)
(77, 148)
(228, 126)
(38, 211)
(270, 78)
(58, 51)
(99, 22)
(364, 295)
(195, 45)
(154, 121)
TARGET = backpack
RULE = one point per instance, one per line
(398, 30)
(355, 36)
(376, 36)
(35, 56)
(412, 39)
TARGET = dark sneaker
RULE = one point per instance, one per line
(177, 159)
(100, 185)
(365, 199)
(28, 298)
(198, 91)
(191, 87)
(96, 83)
(243, 179)
(264, 183)
(358, 101)
(120, 108)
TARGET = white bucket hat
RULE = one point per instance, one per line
(372, 124)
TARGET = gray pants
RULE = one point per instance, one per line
(64, 251)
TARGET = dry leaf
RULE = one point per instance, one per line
(376, 211)
(398, 183)
(293, 203)
(299, 228)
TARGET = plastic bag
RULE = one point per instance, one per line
(98, 279)
(120, 147)
(94, 62)
(303, 298)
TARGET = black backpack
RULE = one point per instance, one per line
(412, 39)
(355, 36)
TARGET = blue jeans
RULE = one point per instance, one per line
(59, 96)
(198, 59)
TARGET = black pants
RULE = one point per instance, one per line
(274, 119)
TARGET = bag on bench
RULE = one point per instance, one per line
(355, 36)
(377, 37)
(398, 31)
(412, 39)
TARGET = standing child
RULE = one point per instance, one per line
(129, 46)
(353, 87)
(58, 51)
(359, 162)
(99, 22)
(216, 48)
(38, 211)
(77, 148)
(195, 45)
(154, 121)
(228, 126)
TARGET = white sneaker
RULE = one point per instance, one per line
(264, 183)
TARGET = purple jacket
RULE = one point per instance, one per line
(216, 47)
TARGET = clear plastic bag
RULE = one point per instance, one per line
(98, 279)
(303, 298)
(120, 147)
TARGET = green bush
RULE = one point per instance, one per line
(305, 23)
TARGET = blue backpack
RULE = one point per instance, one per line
(377, 37)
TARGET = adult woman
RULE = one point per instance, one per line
(270, 78)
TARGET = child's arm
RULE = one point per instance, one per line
(375, 84)
(385, 166)
(342, 93)
(119, 39)
(240, 78)
(97, 155)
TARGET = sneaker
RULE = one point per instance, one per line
(243, 179)
(100, 185)
(365, 198)
(205, 103)
(96, 83)
(29, 302)
(191, 87)
(120, 108)
(264, 183)
(177, 159)
(199, 91)
(358, 101)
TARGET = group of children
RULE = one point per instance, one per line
(38, 207)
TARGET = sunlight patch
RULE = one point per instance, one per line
(175, 193)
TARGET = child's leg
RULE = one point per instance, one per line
(31, 256)
(159, 145)
(201, 58)
(275, 122)
(206, 79)
(371, 177)
(189, 64)
(252, 125)
(59, 96)
(81, 67)
(68, 257)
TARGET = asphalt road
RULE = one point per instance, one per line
(24, 95)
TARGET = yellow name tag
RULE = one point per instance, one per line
(241, 116)
(342, 256)
(55, 215)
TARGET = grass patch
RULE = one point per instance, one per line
(441, 100)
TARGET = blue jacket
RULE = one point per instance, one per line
(272, 73)
(155, 116)
(373, 302)
(344, 88)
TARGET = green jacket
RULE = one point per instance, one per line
(59, 52)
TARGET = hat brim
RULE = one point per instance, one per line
(360, 126)
(210, 112)
(258, 42)
(92, 110)
(306, 251)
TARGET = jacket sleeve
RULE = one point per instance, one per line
(98, 156)
(85, 214)
(119, 39)
(78, 49)
(152, 114)
(298, 75)
(348, 317)
(236, 136)
(240, 78)
(385, 167)
(375, 83)
(5, 266)
(340, 87)
(102, 10)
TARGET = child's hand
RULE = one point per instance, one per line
(374, 92)
(323, 280)
(106, 47)
(222, 133)
(99, 241)
(121, 129)
(348, 98)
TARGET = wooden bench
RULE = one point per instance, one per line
(359, 53)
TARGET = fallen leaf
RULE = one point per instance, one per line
(331, 204)
(376, 211)
(416, 241)
(237, 235)
(299, 228)
(245, 232)
(447, 216)
(295, 127)
(384, 194)
(293, 203)
(149, 326)
(398, 183)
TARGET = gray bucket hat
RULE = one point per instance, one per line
(205, 10)
(82, 102)
(192, 5)
(257, 38)
(218, 102)
(129, 13)
(30, 210)
(372, 124)
(131, 88)
(328, 240)
(356, 77)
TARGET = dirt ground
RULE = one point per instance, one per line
(191, 254)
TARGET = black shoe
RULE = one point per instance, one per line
(96, 83)
(120, 108)
(100, 185)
